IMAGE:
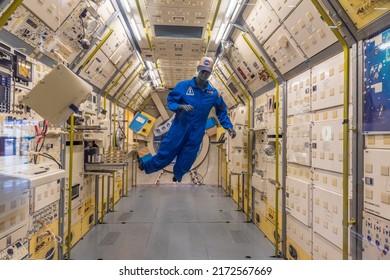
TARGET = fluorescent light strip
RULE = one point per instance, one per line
(127, 6)
(226, 33)
(230, 8)
(140, 58)
(384, 46)
(221, 31)
(236, 10)
(152, 75)
(149, 65)
(135, 29)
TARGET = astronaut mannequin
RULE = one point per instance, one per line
(192, 101)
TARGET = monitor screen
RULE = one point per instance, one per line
(23, 69)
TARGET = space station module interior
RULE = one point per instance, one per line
(83, 90)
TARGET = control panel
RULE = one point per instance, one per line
(29, 28)
(5, 92)
(45, 215)
(17, 251)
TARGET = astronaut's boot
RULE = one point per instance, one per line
(140, 164)
(175, 180)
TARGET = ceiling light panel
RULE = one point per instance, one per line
(187, 49)
(179, 3)
(189, 16)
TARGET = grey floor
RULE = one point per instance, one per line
(181, 222)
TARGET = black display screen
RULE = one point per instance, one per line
(75, 191)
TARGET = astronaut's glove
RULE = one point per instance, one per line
(231, 132)
(186, 108)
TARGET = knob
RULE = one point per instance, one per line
(10, 251)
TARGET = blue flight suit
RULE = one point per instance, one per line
(186, 133)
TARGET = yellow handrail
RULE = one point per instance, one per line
(131, 81)
(148, 37)
(215, 14)
(277, 183)
(344, 44)
(145, 102)
(249, 137)
(114, 138)
(228, 89)
(140, 13)
(70, 182)
(115, 82)
(11, 9)
(136, 99)
(97, 48)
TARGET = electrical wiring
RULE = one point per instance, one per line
(56, 238)
(40, 136)
(46, 155)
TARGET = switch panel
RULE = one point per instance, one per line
(16, 251)
(376, 237)
(48, 215)
(377, 182)
(298, 196)
(72, 31)
(52, 13)
(5, 92)
(29, 29)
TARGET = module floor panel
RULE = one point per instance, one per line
(174, 222)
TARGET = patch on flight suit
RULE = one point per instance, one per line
(210, 92)
(190, 91)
